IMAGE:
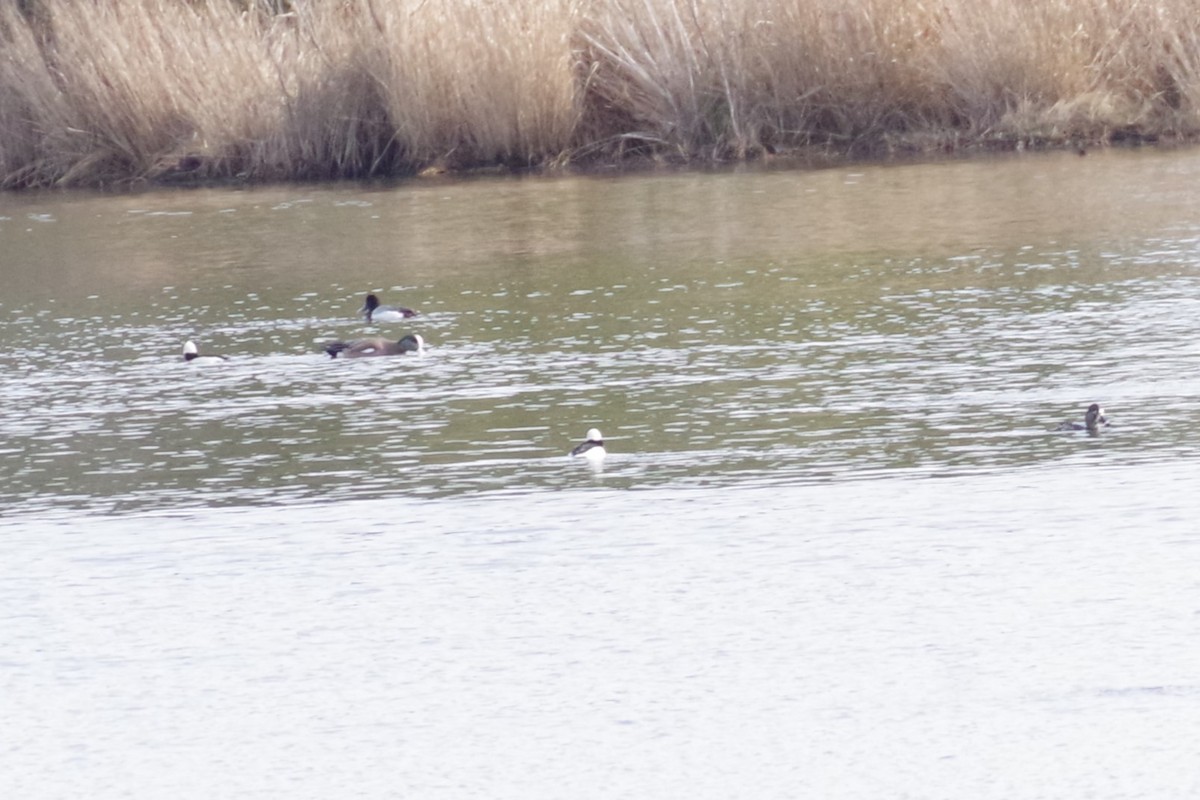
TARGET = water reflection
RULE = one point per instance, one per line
(722, 329)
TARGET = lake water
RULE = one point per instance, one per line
(836, 549)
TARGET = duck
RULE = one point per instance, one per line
(377, 346)
(592, 448)
(1093, 420)
(374, 312)
(192, 355)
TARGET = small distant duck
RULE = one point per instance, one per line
(592, 448)
(1093, 420)
(193, 355)
(364, 348)
(374, 312)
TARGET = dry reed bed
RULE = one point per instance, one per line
(102, 91)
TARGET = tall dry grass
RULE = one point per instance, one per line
(110, 91)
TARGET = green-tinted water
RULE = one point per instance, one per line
(721, 329)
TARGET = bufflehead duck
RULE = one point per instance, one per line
(193, 355)
(377, 313)
(592, 448)
(1093, 420)
(363, 348)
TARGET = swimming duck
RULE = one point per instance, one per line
(374, 312)
(363, 348)
(1093, 420)
(193, 355)
(592, 448)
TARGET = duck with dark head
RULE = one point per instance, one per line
(376, 313)
(1093, 421)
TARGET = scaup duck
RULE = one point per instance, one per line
(591, 448)
(364, 348)
(374, 312)
(1093, 420)
(193, 355)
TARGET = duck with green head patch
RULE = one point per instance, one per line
(377, 346)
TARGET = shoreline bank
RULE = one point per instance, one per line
(101, 93)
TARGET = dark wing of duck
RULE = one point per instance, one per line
(583, 447)
(357, 348)
(363, 348)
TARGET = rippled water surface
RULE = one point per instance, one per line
(723, 330)
(836, 549)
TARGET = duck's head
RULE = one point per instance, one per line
(371, 303)
(593, 435)
(1094, 417)
(189, 349)
(412, 343)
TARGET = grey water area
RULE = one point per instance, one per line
(837, 548)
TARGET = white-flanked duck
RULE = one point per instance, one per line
(378, 346)
(192, 355)
(591, 448)
(374, 312)
(1093, 421)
